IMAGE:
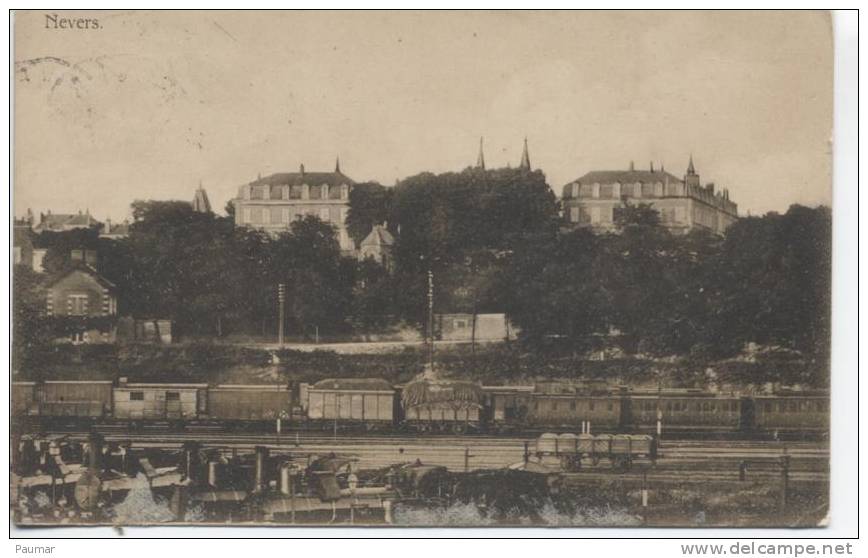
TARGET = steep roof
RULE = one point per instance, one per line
(51, 221)
(626, 177)
(297, 178)
(84, 268)
(379, 236)
(201, 202)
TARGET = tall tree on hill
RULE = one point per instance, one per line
(30, 332)
(370, 204)
(307, 259)
(774, 277)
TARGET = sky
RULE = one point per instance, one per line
(151, 104)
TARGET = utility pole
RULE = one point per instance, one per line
(281, 299)
(431, 319)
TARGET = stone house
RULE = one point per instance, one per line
(83, 305)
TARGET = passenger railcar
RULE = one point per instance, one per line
(555, 405)
(566, 406)
(807, 413)
(684, 411)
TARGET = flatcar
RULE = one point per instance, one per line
(620, 449)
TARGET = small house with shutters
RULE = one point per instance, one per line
(85, 304)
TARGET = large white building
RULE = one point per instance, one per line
(594, 199)
(272, 202)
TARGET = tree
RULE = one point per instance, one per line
(307, 259)
(60, 244)
(31, 335)
(370, 204)
(774, 278)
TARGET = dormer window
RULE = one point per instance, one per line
(324, 191)
(345, 191)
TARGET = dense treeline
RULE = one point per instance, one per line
(494, 242)
(767, 281)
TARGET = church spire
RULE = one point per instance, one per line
(480, 159)
(690, 168)
(337, 164)
(525, 158)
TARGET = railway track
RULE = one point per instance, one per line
(687, 461)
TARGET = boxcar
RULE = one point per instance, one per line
(228, 402)
(793, 413)
(368, 401)
(685, 411)
(75, 398)
(23, 398)
(141, 401)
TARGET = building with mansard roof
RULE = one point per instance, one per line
(594, 199)
(272, 203)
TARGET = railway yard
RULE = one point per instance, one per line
(361, 450)
(312, 477)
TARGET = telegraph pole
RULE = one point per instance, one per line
(431, 319)
(281, 298)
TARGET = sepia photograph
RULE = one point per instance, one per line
(452, 269)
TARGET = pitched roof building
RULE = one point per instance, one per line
(378, 246)
(594, 199)
(64, 221)
(271, 203)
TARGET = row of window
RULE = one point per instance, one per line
(605, 215)
(616, 190)
(285, 215)
(298, 192)
(795, 406)
(570, 405)
(692, 406)
(140, 396)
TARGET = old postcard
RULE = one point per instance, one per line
(442, 269)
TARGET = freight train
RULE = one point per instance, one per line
(424, 406)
